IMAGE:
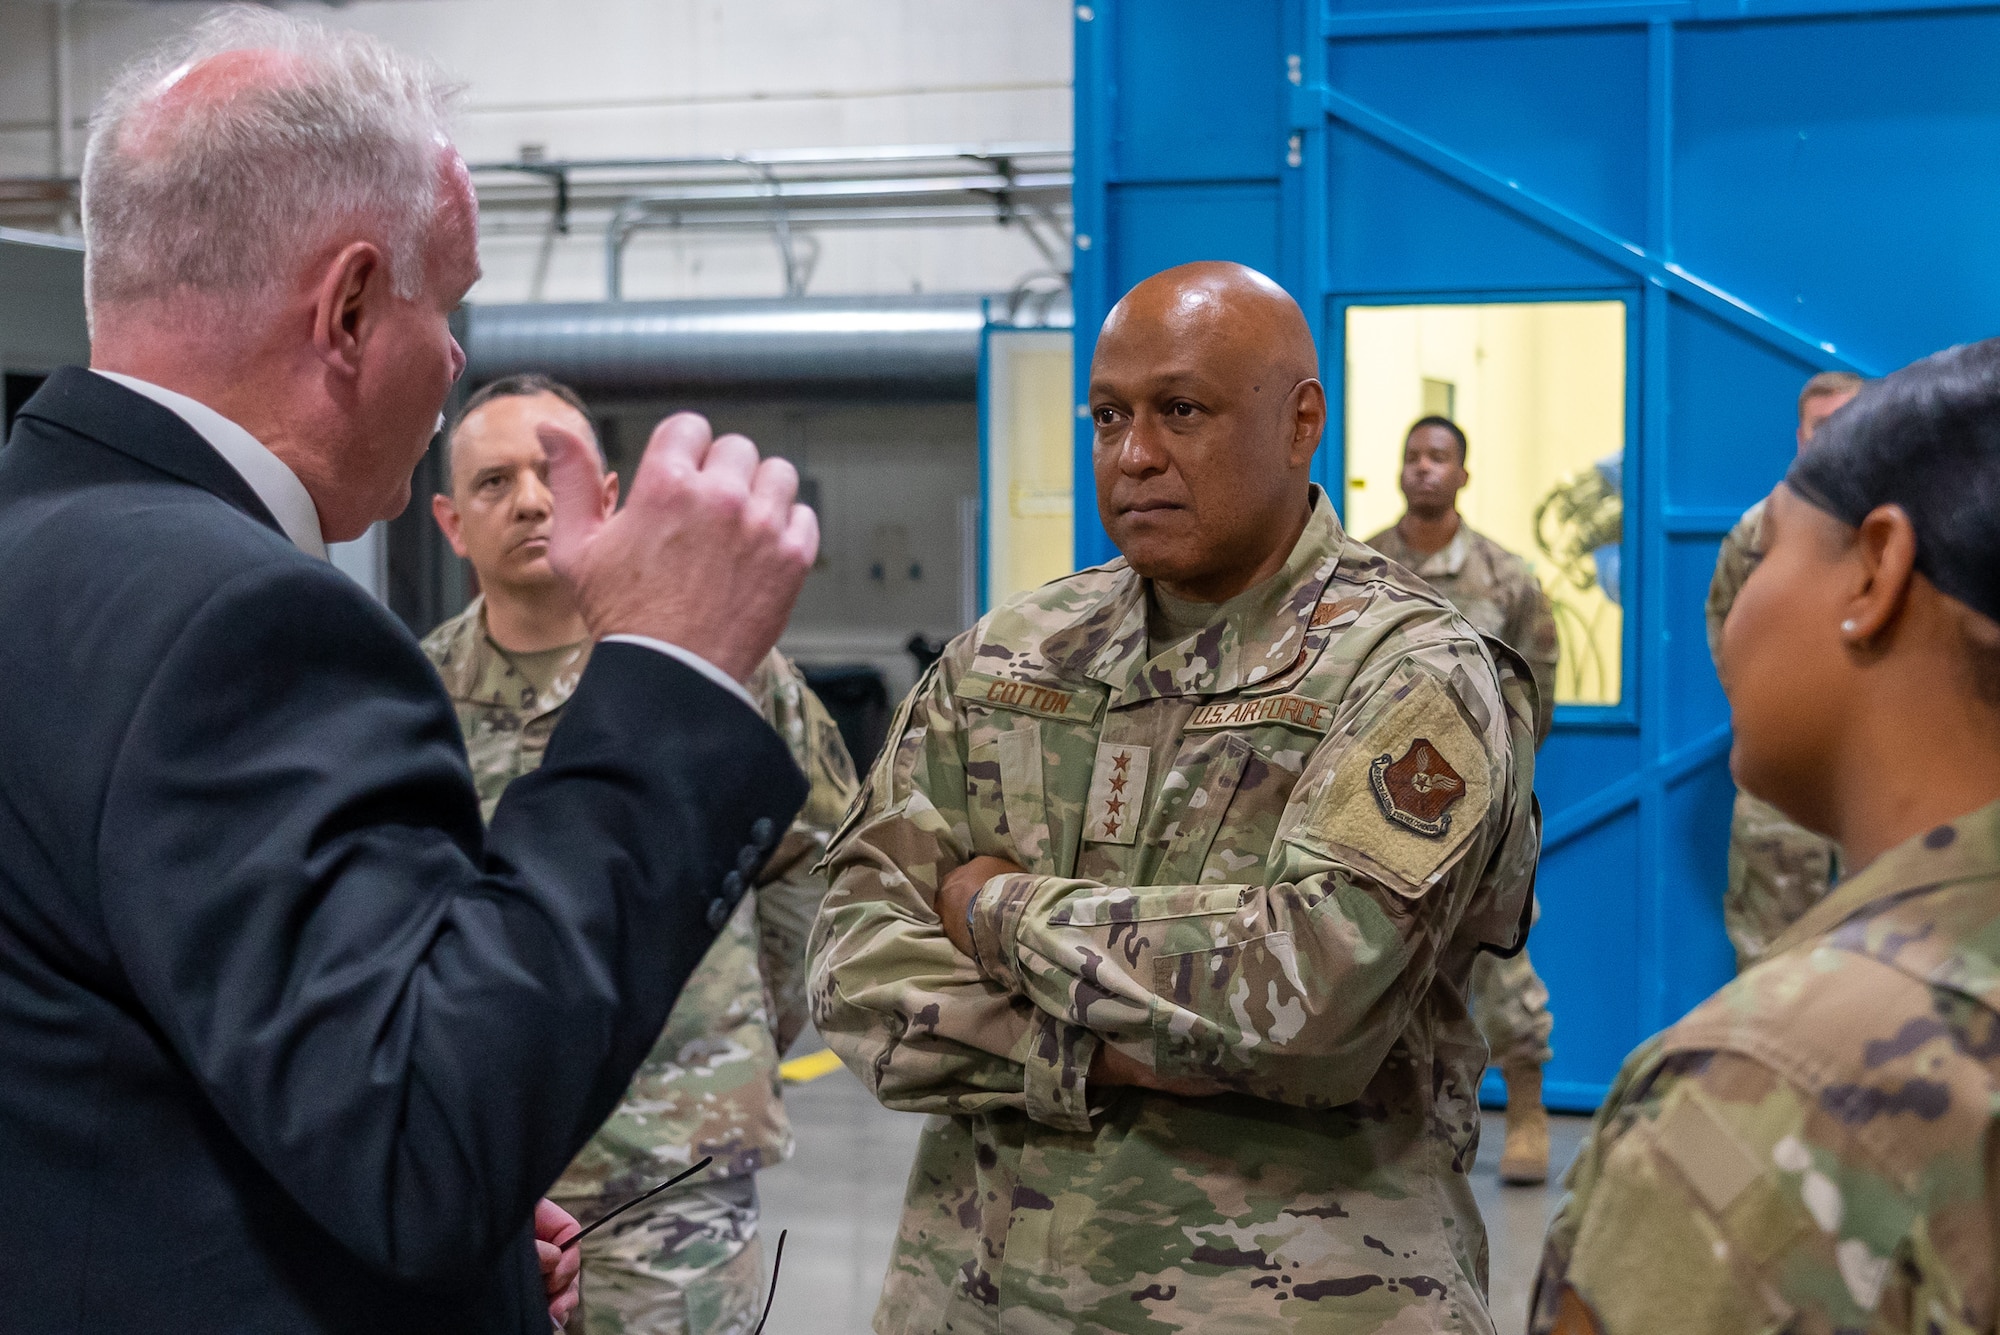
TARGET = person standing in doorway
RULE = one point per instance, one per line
(1777, 869)
(689, 1261)
(1494, 590)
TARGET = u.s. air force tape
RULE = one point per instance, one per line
(1293, 711)
(1029, 697)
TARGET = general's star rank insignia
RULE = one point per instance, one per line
(1117, 793)
(1417, 791)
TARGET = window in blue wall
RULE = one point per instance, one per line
(1028, 441)
(1539, 390)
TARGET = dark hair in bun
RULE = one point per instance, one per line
(1926, 438)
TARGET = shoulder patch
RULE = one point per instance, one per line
(1417, 791)
(1293, 711)
(1409, 792)
(1695, 1139)
(1029, 697)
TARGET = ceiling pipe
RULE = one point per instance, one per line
(868, 348)
(62, 148)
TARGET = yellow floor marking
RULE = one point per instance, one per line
(810, 1067)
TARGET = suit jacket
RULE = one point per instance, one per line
(286, 1043)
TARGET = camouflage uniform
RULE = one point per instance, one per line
(1813, 1148)
(1777, 870)
(1497, 592)
(710, 1084)
(1263, 857)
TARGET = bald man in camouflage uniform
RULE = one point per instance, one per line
(1165, 906)
(689, 1261)
(1497, 592)
(1777, 870)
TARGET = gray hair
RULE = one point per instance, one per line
(230, 195)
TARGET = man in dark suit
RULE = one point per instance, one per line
(286, 1043)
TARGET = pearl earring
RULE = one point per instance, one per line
(1849, 627)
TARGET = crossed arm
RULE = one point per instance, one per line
(1291, 989)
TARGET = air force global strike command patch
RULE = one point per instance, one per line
(1407, 793)
(1417, 791)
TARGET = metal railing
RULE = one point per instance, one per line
(1024, 185)
(787, 195)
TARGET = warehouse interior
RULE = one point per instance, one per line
(1610, 240)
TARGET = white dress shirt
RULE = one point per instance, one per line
(279, 488)
(274, 482)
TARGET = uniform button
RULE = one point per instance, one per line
(732, 886)
(746, 861)
(763, 833)
(718, 914)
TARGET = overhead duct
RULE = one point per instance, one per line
(914, 347)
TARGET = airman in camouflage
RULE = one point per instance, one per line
(1496, 591)
(1812, 1144)
(1197, 1048)
(1777, 869)
(1812, 1149)
(709, 1087)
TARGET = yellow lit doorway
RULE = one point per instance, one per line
(1026, 439)
(1539, 390)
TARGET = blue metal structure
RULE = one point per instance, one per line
(1774, 187)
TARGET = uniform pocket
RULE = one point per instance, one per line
(1022, 795)
(1004, 797)
(1194, 798)
(985, 805)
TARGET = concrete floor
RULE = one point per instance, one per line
(841, 1193)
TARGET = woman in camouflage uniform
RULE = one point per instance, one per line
(1813, 1148)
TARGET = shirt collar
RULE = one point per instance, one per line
(476, 671)
(276, 485)
(1448, 559)
(1964, 849)
(458, 649)
(1253, 638)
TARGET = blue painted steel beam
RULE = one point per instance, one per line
(1580, 232)
(1090, 279)
(1655, 933)
(1700, 521)
(1499, 18)
(1303, 186)
(1468, 19)
(1580, 818)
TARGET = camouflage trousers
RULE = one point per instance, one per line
(1776, 872)
(1510, 1004)
(687, 1263)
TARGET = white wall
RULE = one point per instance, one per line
(654, 78)
(891, 481)
(651, 78)
(365, 560)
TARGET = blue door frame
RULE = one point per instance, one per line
(1773, 188)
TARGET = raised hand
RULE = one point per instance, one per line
(709, 552)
